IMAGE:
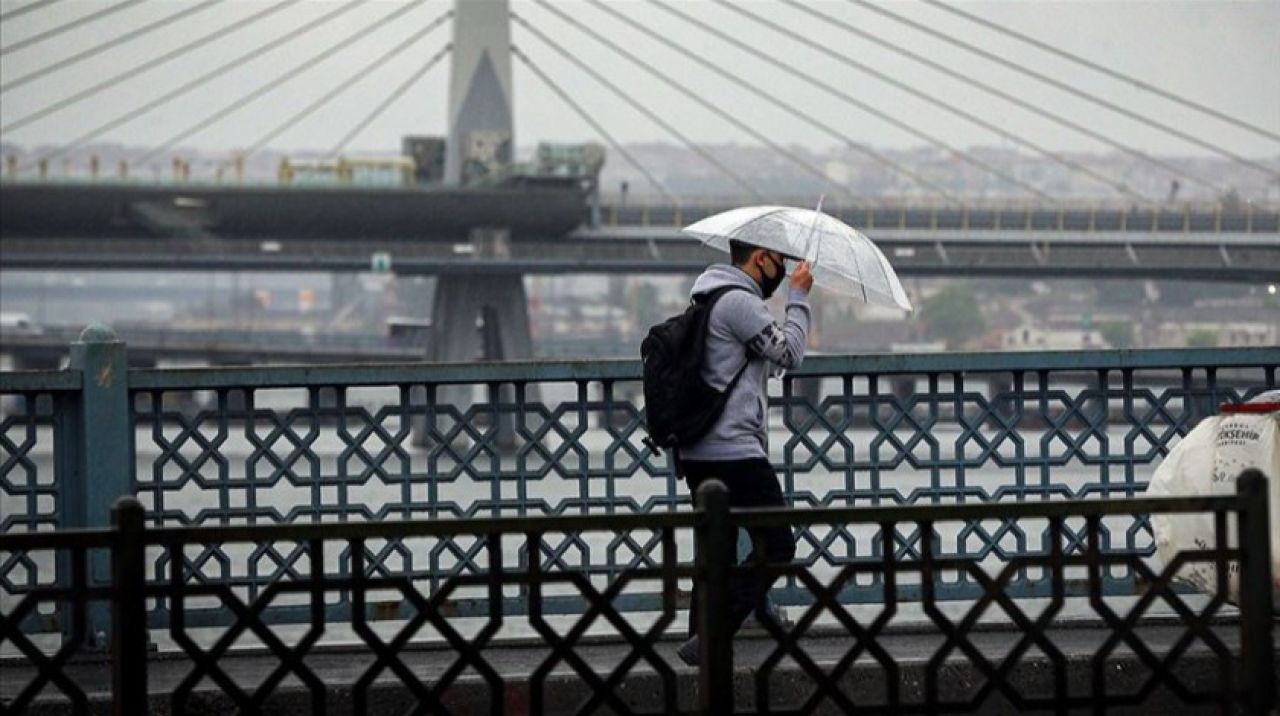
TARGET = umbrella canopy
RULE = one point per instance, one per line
(842, 258)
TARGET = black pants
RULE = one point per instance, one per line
(751, 483)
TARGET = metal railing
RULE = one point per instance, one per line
(1078, 216)
(1233, 671)
(232, 446)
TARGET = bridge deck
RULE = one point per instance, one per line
(1236, 257)
(565, 690)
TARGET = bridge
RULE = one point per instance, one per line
(494, 535)
(425, 231)
(473, 210)
(222, 344)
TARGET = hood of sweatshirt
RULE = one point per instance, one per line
(721, 275)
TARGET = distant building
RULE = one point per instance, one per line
(1239, 334)
(1028, 338)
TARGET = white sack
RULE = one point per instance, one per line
(1207, 462)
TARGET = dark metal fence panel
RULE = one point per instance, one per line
(844, 657)
(36, 421)
(832, 657)
(61, 600)
(356, 443)
(515, 557)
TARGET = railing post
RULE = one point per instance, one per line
(128, 608)
(1256, 649)
(104, 460)
(714, 545)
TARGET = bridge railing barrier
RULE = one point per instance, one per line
(832, 656)
(335, 444)
(1198, 218)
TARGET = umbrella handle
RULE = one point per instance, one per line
(812, 253)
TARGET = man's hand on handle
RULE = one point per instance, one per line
(802, 277)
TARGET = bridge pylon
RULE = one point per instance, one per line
(479, 151)
(480, 105)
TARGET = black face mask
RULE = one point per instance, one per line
(769, 285)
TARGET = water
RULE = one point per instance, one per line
(209, 473)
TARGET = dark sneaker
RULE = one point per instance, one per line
(689, 651)
(772, 611)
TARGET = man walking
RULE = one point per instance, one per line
(742, 336)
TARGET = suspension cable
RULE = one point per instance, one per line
(582, 113)
(107, 45)
(1112, 73)
(263, 89)
(844, 96)
(388, 101)
(51, 32)
(351, 80)
(1071, 89)
(834, 133)
(4, 17)
(728, 117)
(638, 106)
(1051, 116)
(218, 71)
(969, 116)
(145, 66)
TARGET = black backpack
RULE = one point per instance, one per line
(679, 406)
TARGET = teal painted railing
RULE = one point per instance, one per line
(231, 446)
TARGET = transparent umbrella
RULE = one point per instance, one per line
(842, 258)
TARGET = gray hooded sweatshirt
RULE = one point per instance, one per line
(742, 329)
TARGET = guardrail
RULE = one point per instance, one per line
(420, 441)
(521, 562)
(1073, 217)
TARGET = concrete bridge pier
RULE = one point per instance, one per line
(498, 304)
(904, 386)
(184, 402)
(998, 389)
(808, 388)
(901, 387)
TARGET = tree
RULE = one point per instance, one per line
(1202, 338)
(1117, 334)
(953, 315)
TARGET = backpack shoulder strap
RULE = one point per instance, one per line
(711, 298)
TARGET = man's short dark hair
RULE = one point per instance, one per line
(739, 252)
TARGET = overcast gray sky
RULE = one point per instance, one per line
(1223, 54)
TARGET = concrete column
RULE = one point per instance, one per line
(461, 299)
(997, 386)
(484, 319)
(808, 388)
(480, 93)
(903, 387)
